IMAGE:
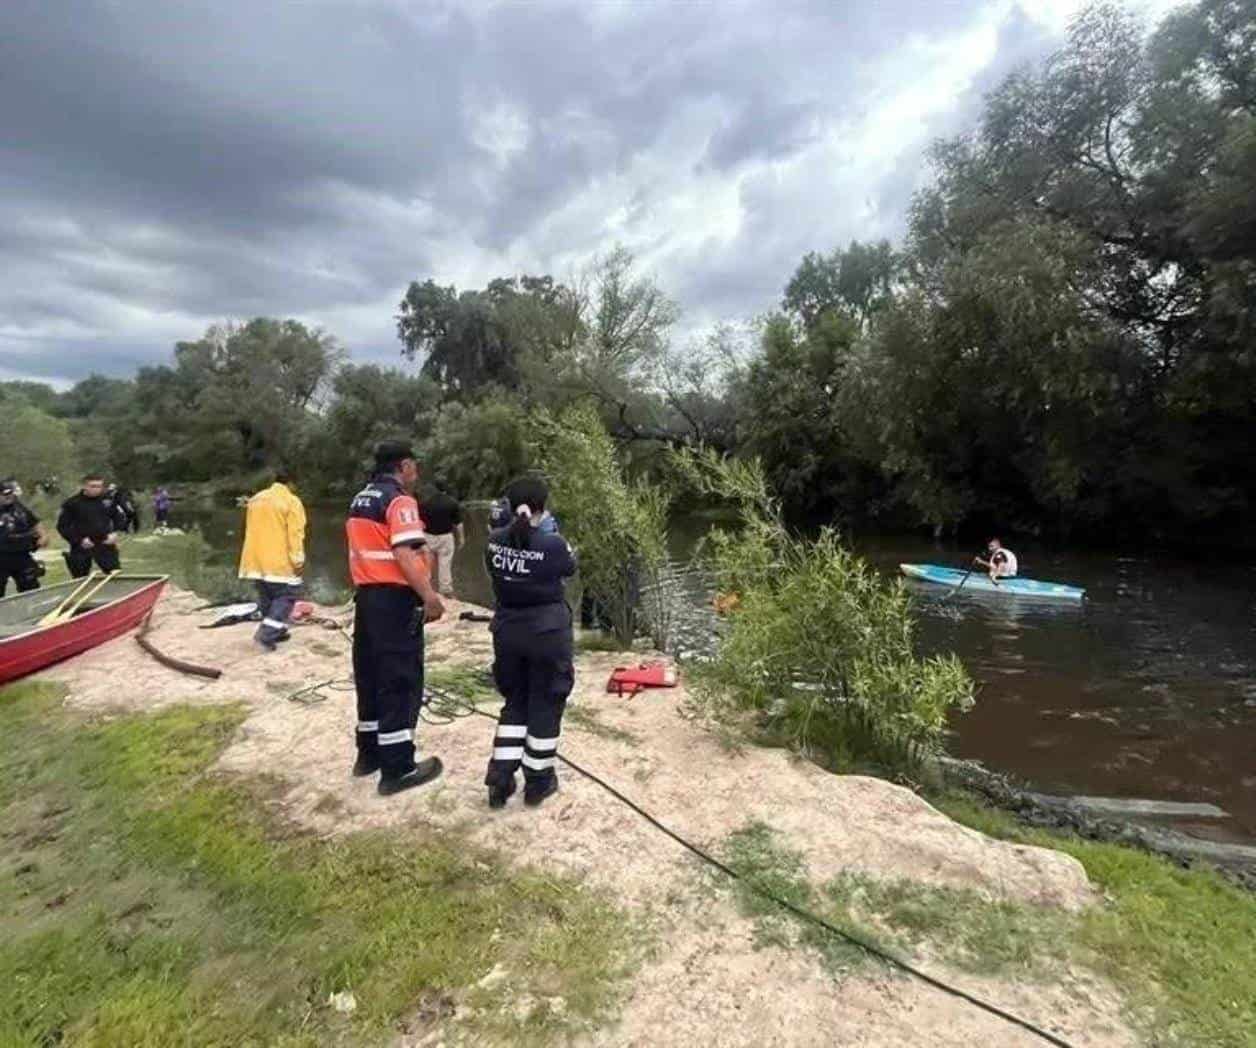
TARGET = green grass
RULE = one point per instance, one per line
(144, 901)
(1181, 943)
(764, 862)
(597, 641)
(971, 932)
(465, 682)
(184, 557)
(588, 719)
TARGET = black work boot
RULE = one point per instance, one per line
(365, 765)
(499, 795)
(534, 793)
(426, 770)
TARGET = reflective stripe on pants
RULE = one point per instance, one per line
(388, 673)
(534, 674)
(275, 601)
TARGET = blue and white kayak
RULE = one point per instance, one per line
(980, 582)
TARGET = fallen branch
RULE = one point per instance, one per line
(179, 665)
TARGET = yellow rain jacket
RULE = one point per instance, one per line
(274, 536)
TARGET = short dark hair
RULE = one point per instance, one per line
(283, 474)
(389, 454)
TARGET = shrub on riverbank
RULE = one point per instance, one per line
(618, 527)
(819, 647)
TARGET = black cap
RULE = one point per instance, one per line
(8, 487)
(388, 453)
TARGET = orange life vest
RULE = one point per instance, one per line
(381, 518)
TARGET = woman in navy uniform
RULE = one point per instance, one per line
(532, 644)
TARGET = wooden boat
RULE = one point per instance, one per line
(980, 583)
(117, 606)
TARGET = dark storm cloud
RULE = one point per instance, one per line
(166, 165)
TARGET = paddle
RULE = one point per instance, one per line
(67, 610)
(962, 581)
(55, 614)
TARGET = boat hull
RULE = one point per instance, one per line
(980, 583)
(38, 647)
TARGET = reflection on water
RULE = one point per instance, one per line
(1147, 689)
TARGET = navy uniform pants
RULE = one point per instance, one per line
(275, 601)
(22, 569)
(79, 560)
(388, 674)
(534, 674)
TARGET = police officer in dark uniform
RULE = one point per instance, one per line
(21, 534)
(394, 598)
(125, 501)
(532, 645)
(90, 522)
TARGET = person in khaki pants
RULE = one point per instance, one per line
(442, 521)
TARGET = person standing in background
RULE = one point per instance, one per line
(125, 501)
(21, 534)
(442, 521)
(90, 522)
(161, 509)
(274, 556)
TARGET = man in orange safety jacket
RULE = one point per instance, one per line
(395, 597)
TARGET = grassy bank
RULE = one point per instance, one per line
(1183, 942)
(184, 556)
(1180, 945)
(146, 901)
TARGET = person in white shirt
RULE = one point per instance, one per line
(1002, 563)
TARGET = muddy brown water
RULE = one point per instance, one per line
(1147, 689)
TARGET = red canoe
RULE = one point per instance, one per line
(119, 605)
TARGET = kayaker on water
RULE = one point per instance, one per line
(1002, 563)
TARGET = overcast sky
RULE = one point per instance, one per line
(165, 165)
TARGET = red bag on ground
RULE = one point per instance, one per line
(626, 680)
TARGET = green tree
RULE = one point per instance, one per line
(618, 527)
(238, 400)
(368, 404)
(788, 402)
(857, 281)
(36, 445)
(38, 394)
(478, 448)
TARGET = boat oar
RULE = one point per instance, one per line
(67, 612)
(55, 614)
(962, 581)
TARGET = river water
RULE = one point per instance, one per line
(1148, 689)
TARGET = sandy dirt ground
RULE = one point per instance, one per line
(705, 982)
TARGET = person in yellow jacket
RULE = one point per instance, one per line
(274, 556)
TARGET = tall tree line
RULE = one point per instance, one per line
(1063, 343)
